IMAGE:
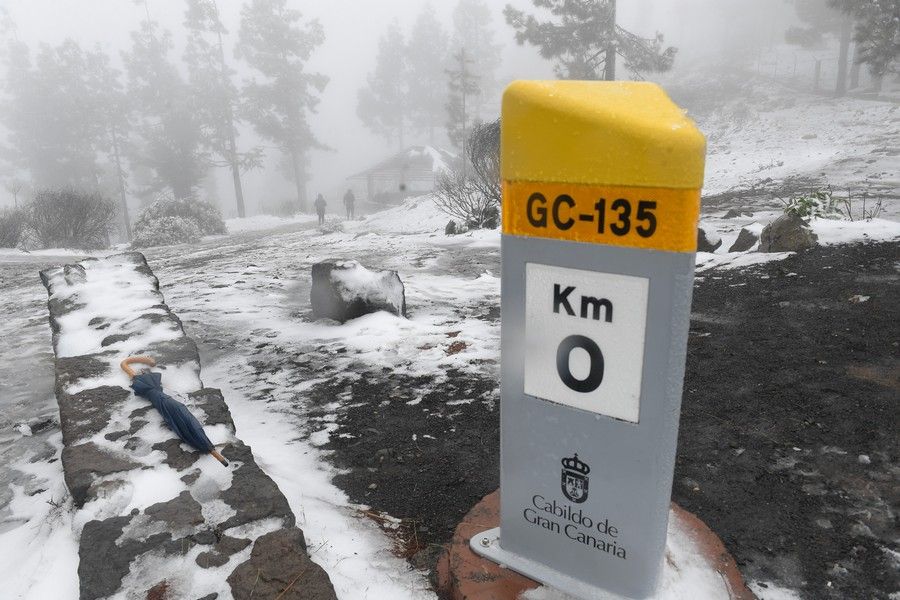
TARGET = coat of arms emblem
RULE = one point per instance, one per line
(575, 479)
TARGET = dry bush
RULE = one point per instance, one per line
(471, 192)
(483, 152)
(12, 226)
(69, 218)
(457, 195)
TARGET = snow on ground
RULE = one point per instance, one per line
(759, 129)
(829, 231)
(236, 294)
(353, 551)
(38, 544)
(264, 222)
(686, 575)
(243, 299)
(257, 294)
(770, 591)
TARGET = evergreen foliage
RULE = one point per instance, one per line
(582, 39)
(277, 44)
(211, 81)
(876, 32)
(427, 58)
(462, 86)
(382, 104)
(168, 150)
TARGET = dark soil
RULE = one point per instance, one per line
(420, 460)
(788, 445)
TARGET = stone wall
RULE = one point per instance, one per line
(158, 520)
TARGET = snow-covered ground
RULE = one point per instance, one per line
(244, 298)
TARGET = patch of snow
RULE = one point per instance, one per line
(351, 548)
(264, 222)
(769, 591)
(356, 281)
(833, 231)
(38, 544)
(687, 575)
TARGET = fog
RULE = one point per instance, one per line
(703, 31)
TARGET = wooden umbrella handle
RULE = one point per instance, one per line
(219, 457)
(140, 360)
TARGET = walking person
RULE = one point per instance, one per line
(349, 204)
(320, 205)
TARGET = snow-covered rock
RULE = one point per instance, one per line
(344, 290)
(707, 241)
(787, 233)
(746, 239)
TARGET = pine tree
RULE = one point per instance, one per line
(275, 42)
(462, 86)
(427, 54)
(53, 118)
(877, 32)
(583, 40)
(473, 31)
(211, 81)
(382, 103)
(168, 151)
(106, 86)
(821, 19)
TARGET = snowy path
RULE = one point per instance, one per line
(244, 302)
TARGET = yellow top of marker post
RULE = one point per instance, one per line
(623, 143)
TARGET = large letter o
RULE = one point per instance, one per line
(595, 375)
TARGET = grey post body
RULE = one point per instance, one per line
(631, 464)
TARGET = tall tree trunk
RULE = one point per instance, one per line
(299, 181)
(840, 87)
(854, 68)
(236, 178)
(121, 178)
(232, 142)
(609, 66)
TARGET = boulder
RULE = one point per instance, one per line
(707, 242)
(344, 290)
(787, 233)
(746, 239)
(734, 213)
(452, 228)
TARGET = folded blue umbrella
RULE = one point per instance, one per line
(176, 415)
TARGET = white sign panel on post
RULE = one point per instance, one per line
(584, 334)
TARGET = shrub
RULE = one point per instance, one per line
(483, 152)
(68, 218)
(165, 231)
(12, 226)
(473, 194)
(171, 221)
(204, 215)
(459, 196)
(331, 227)
(821, 204)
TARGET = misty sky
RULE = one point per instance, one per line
(700, 28)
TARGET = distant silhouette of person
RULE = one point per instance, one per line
(320, 208)
(349, 204)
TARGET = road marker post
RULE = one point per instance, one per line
(601, 197)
